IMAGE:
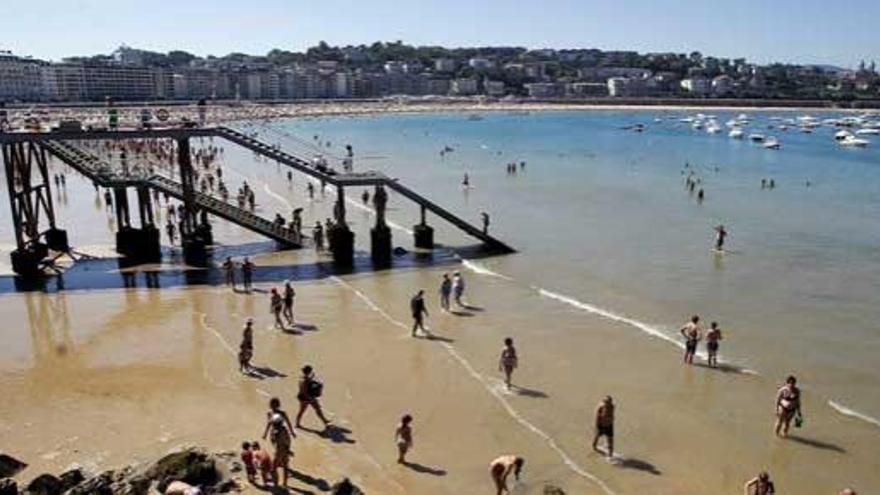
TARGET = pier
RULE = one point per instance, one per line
(37, 234)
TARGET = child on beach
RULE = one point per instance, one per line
(403, 438)
(508, 361)
(263, 462)
(247, 458)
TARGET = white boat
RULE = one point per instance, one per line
(756, 137)
(868, 132)
(854, 142)
(736, 133)
(771, 143)
(698, 124)
(842, 134)
(712, 127)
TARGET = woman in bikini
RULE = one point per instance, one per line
(788, 405)
(508, 361)
(278, 424)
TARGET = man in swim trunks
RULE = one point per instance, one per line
(762, 485)
(501, 468)
(788, 405)
(419, 311)
(713, 336)
(692, 334)
(605, 425)
(289, 294)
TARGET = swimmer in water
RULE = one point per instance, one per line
(466, 181)
(720, 237)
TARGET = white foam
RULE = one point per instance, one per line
(513, 413)
(852, 413)
(481, 269)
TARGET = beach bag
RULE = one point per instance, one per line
(314, 388)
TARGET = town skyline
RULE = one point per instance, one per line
(805, 32)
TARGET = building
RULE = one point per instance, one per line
(602, 74)
(544, 90)
(480, 63)
(627, 87)
(585, 90)
(698, 85)
(722, 85)
(494, 88)
(444, 65)
(463, 87)
(21, 79)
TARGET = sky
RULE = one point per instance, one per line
(841, 32)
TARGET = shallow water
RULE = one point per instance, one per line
(614, 255)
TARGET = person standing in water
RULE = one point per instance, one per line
(445, 292)
(419, 311)
(229, 270)
(310, 389)
(278, 424)
(466, 181)
(318, 235)
(713, 337)
(692, 334)
(605, 425)
(508, 360)
(760, 485)
(788, 406)
(458, 288)
(403, 438)
(289, 295)
(501, 468)
(485, 217)
(276, 306)
(721, 234)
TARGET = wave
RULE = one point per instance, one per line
(852, 413)
(481, 269)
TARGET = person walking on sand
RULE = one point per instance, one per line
(278, 426)
(246, 350)
(760, 485)
(788, 406)
(713, 337)
(247, 273)
(276, 306)
(419, 311)
(501, 468)
(692, 334)
(605, 425)
(403, 438)
(720, 236)
(445, 292)
(508, 360)
(458, 288)
(310, 389)
(289, 294)
(229, 270)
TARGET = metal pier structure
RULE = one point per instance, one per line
(36, 231)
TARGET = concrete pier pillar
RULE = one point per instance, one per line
(423, 234)
(380, 245)
(342, 240)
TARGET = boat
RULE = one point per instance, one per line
(736, 133)
(756, 137)
(868, 131)
(842, 134)
(771, 143)
(713, 128)
(854, 142)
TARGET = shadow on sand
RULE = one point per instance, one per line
(817, 444)
(528, 392)
(263, 372)
(334, 433)
(721, 367)
(636, 464)
(420, 468)
(435, 337)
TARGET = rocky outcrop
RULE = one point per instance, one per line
(45, 484)
(193, 466)
(10, 466)
(8, 487)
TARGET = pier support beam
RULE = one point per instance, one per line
(194, 236)
(423, 233)
(340, 237)
(30, 199)
(380, 234)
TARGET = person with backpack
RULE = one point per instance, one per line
(310, 389)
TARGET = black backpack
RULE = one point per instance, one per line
(314, 388)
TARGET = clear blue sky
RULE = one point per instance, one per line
(809, 31)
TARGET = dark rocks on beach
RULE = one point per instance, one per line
(553, 490)
(103, 484)
(10, 466)
(193, 466)
(345, 487)
(45, 484)
(8, 487)
(71, 478)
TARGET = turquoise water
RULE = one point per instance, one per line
(601, 216)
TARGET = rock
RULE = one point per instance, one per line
(98, 485)
(10, 466)
(8, 487)
(191, 465)
(345, 487)
(553, 490)
(71, 478)
(45, 484)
